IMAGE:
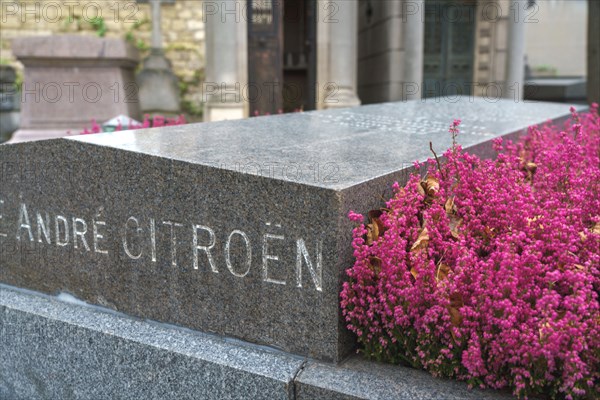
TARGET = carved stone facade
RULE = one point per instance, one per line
(479, 27)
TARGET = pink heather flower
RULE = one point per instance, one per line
(146, 123)
(95, 127)
(497, 144)
(355, 217)
(155, 122)
(158, 121)
(516, 304)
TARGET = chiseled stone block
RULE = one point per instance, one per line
(237, 228)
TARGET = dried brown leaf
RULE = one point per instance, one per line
(372, 234)
(442, 272)
(540, 330)
(374, 218)
(375, 264)
(413, 271)
(454, 222)
(489, 232)
(580, 267)
(374, 231)
(455, 316)
(531, 220)
(531, 167)
(449, 206)
(456, 302)
(432, 186)
(422, 241)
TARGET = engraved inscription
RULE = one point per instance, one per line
(137, 240)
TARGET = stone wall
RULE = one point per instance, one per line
(182, 26)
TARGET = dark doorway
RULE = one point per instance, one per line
(265, 48)
(281, 56)
(300, 61)
(449, 47)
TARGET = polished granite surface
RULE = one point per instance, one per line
(335, 148)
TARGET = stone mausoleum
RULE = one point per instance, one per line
(293, 55)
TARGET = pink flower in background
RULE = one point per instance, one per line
(154, 122)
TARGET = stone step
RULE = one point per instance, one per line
(56, 349)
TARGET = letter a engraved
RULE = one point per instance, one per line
(24, 223)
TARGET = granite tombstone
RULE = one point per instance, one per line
(70, 80)
(237, 228)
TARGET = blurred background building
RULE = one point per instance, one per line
(238, 58)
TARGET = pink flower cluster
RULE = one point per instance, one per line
(154, 122)
(488, 271)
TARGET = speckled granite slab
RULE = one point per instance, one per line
(55, 350)
(52, 350)
(357, 378)
(237, 228)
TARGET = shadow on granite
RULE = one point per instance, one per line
(357, 378)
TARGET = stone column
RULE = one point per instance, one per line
(337, 38)
(515, 56)
(226, 60)
(414, 46)
(156, 24)
(593, 73)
